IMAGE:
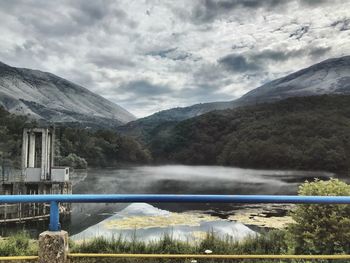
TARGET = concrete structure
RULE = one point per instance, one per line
(38, 154)
(38, 175)
(60, 174)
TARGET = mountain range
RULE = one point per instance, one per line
(46, 97)
(331, 76)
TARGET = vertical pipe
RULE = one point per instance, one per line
(54, 217)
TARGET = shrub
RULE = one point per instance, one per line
(74, 161)
(322, 229)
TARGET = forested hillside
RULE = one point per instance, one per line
(311, 133)
(101, 148)
(75, 146)
(11, 129)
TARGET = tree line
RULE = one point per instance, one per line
(311, 133)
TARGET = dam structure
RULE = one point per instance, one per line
(38, 176)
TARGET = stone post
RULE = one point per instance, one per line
(53, 247)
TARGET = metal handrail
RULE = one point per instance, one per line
(54, 200)
(54, 225)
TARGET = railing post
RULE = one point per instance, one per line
(53, 244)
(54, 217)
(53, 247)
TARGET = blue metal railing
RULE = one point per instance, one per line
(54, 200)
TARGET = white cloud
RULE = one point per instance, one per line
(175, 49)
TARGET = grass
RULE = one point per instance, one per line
(19, 244)
(272, 242)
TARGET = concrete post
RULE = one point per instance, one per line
(52, 148)
(31, 150)
(44, 154)
(53, 247)
(25, 147)
(49, 155)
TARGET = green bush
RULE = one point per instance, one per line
(322, 229)
(74, 161)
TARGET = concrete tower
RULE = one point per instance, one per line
(38, 153)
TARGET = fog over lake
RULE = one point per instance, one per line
(178, 179)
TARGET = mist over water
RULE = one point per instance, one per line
(178, 179)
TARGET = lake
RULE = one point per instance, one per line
(178, 179)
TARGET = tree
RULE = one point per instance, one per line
(322, 229)
(74, 161)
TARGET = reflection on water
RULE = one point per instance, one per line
(178, 179)
(147, 223)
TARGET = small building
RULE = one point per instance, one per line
(38, 175)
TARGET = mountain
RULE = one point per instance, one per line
(47, 97)
(142, 128)
(331, 76)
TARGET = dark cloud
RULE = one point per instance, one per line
(105, 60)
(238, 63)
(300, 32)
(258, 61)
(276, 55)
(171, 53)
(93, 10)
(342, 24)
(318, 52)
(144, 88)
(209, 10)
(161, 53)
(313, 3)
(283, 55)
(69, 18)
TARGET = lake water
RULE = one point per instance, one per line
(177, 179)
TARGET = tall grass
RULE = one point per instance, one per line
(272, 242)
(19, 244)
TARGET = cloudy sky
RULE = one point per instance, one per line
(149, 55)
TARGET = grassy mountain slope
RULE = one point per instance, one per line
(44, 96)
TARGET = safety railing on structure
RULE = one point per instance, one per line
(54, 225)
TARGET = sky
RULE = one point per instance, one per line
(149, 56)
